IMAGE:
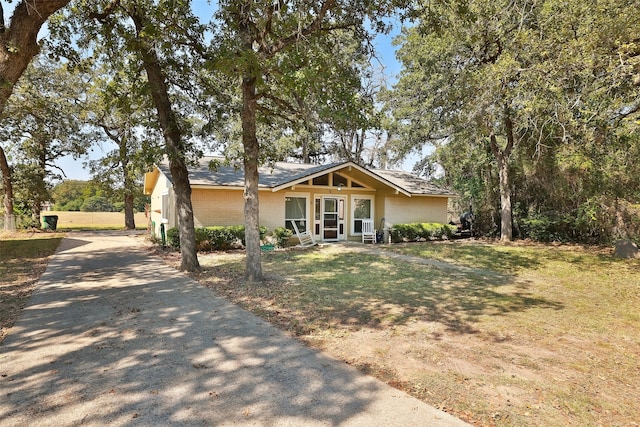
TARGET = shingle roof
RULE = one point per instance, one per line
(412, 183)
(281, 173)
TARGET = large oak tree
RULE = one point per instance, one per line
(275, 51)
(156, 33)
(18, 46)
(518, 96)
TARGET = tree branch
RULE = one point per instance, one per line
(278, 101)
(108, 11)
(314, 26)
(2, 27)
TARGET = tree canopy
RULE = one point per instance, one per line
(284, 56)
(19, 44)
(42, 122)
(523, 101)
(531, 107)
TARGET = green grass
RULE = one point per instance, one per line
(557, 327)
(23, 247)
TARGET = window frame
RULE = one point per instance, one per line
(353, 212)
(304, 196)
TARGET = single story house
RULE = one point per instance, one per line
(331, 200)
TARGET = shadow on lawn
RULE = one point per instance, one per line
(475, 256)
(351, 289)
(506, 259)
(115, 337)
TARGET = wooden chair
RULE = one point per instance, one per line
(306, 238)
(368, 232)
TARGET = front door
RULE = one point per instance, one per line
(332, 218)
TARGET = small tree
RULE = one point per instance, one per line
(122, 112)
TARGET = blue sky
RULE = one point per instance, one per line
(74, 169)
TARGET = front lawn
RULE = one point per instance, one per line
(521, 334)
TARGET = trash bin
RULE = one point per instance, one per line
(50, 222)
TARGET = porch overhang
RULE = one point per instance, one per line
(337, 168)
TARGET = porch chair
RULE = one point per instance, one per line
(306, 238)
(368, 233)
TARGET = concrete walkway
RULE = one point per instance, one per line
(112, 336)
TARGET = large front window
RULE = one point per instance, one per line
(362, 209)
(295, 209)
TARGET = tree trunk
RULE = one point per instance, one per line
(506, 225)
(502, 158)
(18, 42)
(253, 271)
(174, 144)
(36, 209)
(40, 186)
(129, 217)
(7, 185)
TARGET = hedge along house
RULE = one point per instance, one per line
(332, 200)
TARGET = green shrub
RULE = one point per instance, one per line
(421, 231)
(173, 238)
(552, 227)
(282, 236)
(215, 238)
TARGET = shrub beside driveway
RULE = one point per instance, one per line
(524, 335)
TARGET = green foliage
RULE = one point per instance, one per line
(215, 238)
(422, 231)
(282, 236)
(560, 77)
(68, 195)
(595, 221)
(71, 195)
(97, 204)
(545, 228)
(173, 238)
(30, 189)
(42, 122)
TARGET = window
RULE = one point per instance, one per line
(295, 209)
(165, 206)
(339, 180)
(321, 180)
(362, 209)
